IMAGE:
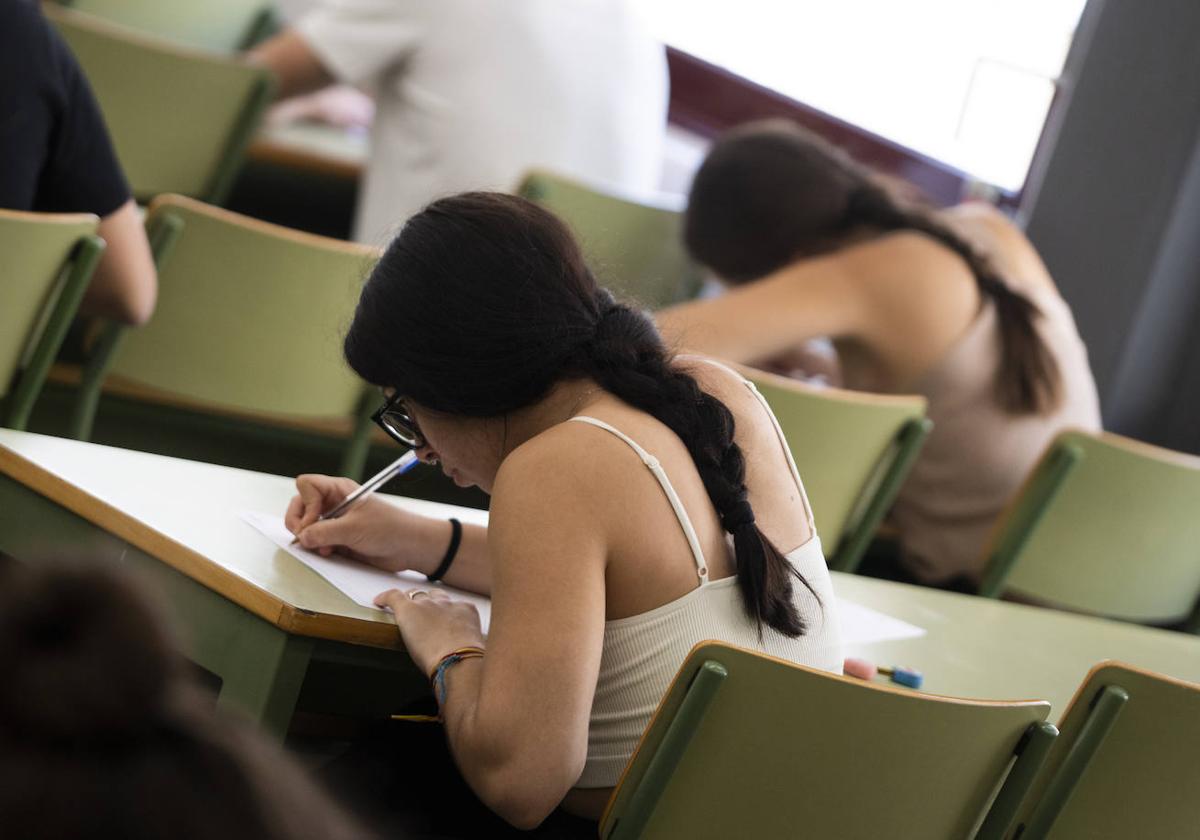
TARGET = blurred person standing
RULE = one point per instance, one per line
(471, 95)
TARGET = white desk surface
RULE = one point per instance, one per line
(988, 649)
(186, 514)
(313, 146)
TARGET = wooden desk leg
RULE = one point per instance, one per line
(260, 667)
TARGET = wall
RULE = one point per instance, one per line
(1113, 204)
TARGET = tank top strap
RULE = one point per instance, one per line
(787, 450)
(656, 469)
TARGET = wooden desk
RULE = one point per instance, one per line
(258, 618)
(313, 147)
(250, 613)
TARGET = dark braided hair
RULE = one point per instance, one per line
(771, 192)
(483, 303)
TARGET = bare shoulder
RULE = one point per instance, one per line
(913, 275)
(545, 465)
(905, 260)
(559, 472)
(774, 492)
(997, 238)
(729, 386)
(984, 224)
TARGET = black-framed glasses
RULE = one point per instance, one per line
(393, 417)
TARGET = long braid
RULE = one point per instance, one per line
(626, 357)
(1028, 379)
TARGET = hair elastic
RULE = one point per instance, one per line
(456, 530)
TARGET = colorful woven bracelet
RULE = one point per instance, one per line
(437, 677)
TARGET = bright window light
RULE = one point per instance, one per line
(967, 82)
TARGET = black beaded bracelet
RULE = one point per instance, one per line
(451, 552)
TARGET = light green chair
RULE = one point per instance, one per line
(46, 262)
(223, 26)
(1104, 525)
(180, 120)
(248, 328)
(1127, 763)
(853, 451)
(744, 745)
(634, 245)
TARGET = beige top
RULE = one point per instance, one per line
(977, 454)
(642, 653)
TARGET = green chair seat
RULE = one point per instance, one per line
(634, 245)
(1104, 525)
(46, 262)
(745, 745)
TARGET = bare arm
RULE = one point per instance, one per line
(296, 66)
(517, 719)
(470, 568)
(125, 284)
(385, 535)
(767, 318)
(902, 296)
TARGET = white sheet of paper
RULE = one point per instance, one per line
(863, 625)
(361, 583)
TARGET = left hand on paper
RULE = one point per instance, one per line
(431, 624)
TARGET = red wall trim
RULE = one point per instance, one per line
(708, 99)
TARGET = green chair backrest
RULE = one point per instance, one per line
(46, 261)
(180, 120)
(249, 319)
(853, 451)
(634, 246)
(224, 26)
(745, 745)
(1105, 525)
(1127, 763)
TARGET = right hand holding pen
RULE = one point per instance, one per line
(372, 531)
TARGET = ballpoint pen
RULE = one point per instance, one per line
(398, 467)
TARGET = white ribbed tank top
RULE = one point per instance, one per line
(642, 653)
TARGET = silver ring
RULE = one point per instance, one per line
(413, 593)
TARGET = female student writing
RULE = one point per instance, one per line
(955, 305)
(640, 503)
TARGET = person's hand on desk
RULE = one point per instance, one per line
(372, 531)
(431, 624)
(340, 106)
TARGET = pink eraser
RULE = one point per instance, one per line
(861, 668)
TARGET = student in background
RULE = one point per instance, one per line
(471, 95)
(57, 158)
(104, 734)
(640, 503)
(955, 305)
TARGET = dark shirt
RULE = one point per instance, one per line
(55, 152)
